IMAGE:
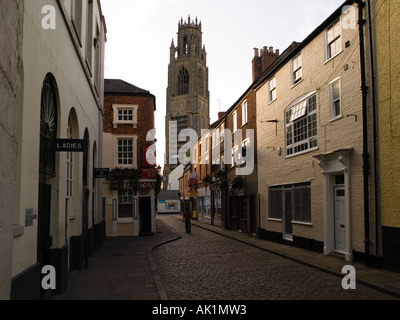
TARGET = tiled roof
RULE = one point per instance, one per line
(122, 87)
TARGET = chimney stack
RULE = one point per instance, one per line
(263, 62)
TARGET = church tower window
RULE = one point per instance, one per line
(183, 82)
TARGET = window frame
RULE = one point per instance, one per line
(294, 70)
(244, 113)
(130, 107)
(234, 122)
(235, 155)
(294, 126)
(132, 138)
(272, 94)
(278, 202)
(337, 38)
(126, 192)
(332, 105)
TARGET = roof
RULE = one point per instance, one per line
(120, 87)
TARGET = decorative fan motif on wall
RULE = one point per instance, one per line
(48, 111)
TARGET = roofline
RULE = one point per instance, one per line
(270, 71)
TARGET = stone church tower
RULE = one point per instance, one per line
(187, 93)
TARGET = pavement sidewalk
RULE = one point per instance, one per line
(122, 269)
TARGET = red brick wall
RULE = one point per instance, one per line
(145, 116)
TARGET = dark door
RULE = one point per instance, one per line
(145, 215)
(44, 241)
(48, 134)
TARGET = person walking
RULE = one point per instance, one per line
(187, 216)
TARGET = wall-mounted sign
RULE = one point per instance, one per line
(192, 178)
(101, 173)
(69, 145)
(148, 173)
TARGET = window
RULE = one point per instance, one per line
(272, 89)
(235, 155)
(297, 70)
(222, 134)
(299, 196)
(333, 40)
(89, 35)
(301, 126)
(215, 138)
(335, 99)
(244, 113)
(125, 152)
(125, 203)
(125, 114)
(245, 146)
(234, 121)
(77, 10)
(183, 82)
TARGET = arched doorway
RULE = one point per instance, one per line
(47, 166)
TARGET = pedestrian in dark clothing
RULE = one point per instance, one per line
(188, 223)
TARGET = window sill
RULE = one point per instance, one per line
(335, 119)
(301, 153)
(297, 83)
(302, 223)
(333, 57)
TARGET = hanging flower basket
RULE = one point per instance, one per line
(120, 176)
(237, 183)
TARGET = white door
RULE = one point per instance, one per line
(340, 225)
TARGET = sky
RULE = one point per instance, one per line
(140, 32)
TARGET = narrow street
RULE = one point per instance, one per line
(204, 265)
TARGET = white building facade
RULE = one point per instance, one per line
(58, 219)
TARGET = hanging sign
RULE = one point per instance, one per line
(69, 145)
(101, 173)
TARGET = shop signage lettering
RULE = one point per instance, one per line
(69, 145)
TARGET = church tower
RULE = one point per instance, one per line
(187, 93)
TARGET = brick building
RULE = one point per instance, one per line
(129, 153)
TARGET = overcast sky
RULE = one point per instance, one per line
(139, 35)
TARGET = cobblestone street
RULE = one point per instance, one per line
(204, 265)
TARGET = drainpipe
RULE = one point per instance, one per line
(375, 132)
(364, 90)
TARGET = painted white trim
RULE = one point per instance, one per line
(333, 164)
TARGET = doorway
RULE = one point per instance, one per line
(47, 168)
(339, 217)
(145, 215)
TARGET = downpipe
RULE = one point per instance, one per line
(365, 155)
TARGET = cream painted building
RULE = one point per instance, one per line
(58, 219)
(310, 119)
(11, 15)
